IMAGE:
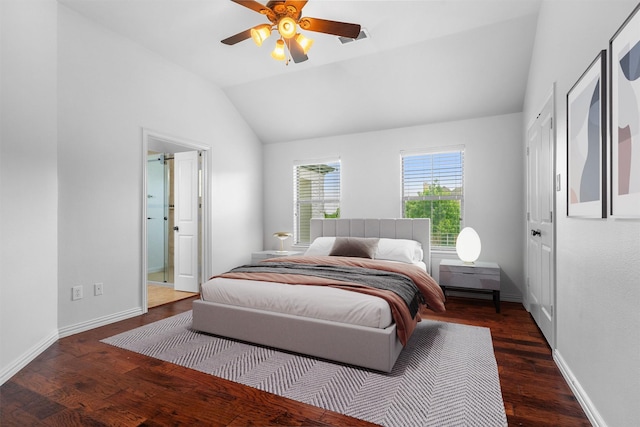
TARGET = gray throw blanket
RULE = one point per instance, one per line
(397, 283)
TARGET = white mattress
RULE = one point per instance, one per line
(319, 302)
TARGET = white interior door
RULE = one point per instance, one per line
(540, 232)
(186, 221)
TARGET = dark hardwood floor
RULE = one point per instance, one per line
(81, 382)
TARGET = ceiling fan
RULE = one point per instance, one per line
(285, 17)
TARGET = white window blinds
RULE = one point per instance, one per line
(433, 187)
(316, 195)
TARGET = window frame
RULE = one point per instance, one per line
(458, 178)
(301, 235)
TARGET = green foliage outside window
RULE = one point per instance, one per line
(442, 205)
(336, 214)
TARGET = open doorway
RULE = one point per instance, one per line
(160, 218)
(175, 218)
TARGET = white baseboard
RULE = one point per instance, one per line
(39, 348)
(586, 403)
(28, 357)
(100, 321)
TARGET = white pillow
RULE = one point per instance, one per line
(402, 250)
(321, 246)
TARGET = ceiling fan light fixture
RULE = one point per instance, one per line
(260, 33)
(287, 27)
(285, 16)
(278, 51)
(304, 43)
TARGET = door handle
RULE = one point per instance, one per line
(176, 228)
(535, 233)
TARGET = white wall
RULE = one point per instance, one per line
(109, 90)
(28, 177)
(598, 261)
(371, 181)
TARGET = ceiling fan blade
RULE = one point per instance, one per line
(297, 54)
(343, 29)
(246, 34)
(253, 5)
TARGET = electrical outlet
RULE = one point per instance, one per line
(97, 289)
(76, 293)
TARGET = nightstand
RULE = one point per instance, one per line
(260, 255)
(478, 277)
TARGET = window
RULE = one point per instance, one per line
(316, 195)
(432, 187)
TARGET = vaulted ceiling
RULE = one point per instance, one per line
(424, 61)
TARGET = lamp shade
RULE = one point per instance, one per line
(260, 33)
(304, 43)
(468, 245)
(278, 51)
(287, 27)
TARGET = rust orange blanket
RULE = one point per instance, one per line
(405, 322)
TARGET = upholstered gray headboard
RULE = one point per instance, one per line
(418, 229)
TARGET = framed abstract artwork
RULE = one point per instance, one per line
(624, 52)
(586, 142)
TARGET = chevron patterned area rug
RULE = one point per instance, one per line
(446, 375)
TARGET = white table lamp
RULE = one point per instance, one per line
(468, 245)
(282, 235)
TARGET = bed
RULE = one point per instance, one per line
(370, 344)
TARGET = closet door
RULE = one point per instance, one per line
(540, 296)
